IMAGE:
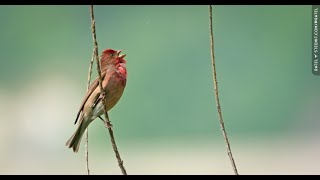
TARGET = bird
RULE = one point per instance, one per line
(114, 79)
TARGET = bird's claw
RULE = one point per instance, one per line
(108, 124)
(101, 96)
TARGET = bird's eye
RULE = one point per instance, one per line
(111, 55)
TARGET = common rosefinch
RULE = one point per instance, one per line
(114, 76)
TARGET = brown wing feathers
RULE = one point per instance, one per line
(93, 86)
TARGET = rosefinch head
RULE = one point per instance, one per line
(114, 78)
(110, 56)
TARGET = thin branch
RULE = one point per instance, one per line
(107, 122)
(217, 95)
(86, 153)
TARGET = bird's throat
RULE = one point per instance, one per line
(122, 72)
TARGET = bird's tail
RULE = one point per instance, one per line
(75, 139)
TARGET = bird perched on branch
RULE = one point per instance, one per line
(114, 78)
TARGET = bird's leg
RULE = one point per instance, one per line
(101, 119)
(107, 124)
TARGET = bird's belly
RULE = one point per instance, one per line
(112, 97)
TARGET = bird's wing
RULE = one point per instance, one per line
(93, 86)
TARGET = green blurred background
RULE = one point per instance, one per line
(166, 121)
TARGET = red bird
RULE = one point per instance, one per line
(114, 78)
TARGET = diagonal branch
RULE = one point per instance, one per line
(108, 124)
(217, 95)
(86, 153)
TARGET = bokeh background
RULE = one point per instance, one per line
(166, 121)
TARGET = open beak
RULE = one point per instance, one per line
(122, 55)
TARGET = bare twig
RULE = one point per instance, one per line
(107, 121)
(86, 153)
(217, 95)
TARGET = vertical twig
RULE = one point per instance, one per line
(86, 153)
(107, 121)
(217, 95)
